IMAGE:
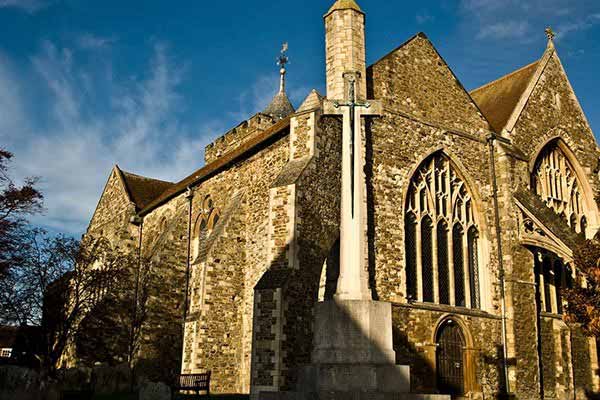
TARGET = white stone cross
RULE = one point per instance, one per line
(353, 282)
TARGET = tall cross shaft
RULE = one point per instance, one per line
(352, 104)
(353, 282)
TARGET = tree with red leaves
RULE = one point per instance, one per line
(583, 300)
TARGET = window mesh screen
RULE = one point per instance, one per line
(473, 267)
(426, 259)
(459, 269)
(558, 275)
(546, 267)
(442, 253)
(411, 256)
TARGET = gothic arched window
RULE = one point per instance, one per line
(555, 181)
(441, 236)
(205, 223)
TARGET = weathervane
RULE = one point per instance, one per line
(282, 61)
(550, 33)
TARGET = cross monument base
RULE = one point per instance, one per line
(353, 357)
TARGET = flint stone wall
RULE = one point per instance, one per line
(219, 325)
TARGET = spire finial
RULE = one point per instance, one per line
(282, 61)
(550, 34)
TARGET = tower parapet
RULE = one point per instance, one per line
(237, 136)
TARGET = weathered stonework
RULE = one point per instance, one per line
(237, 136)
(264, 217)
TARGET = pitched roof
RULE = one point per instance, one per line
(312, 101)
(217, 165)
(549, 218)
(143, 190)
(498, 99)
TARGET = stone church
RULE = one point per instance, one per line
(458, 211)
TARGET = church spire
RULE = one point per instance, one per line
(281, 106)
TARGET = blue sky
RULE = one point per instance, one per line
(147, 84)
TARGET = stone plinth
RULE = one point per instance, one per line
(353, 332)
(353, 356)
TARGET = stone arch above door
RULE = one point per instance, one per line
(468, 353)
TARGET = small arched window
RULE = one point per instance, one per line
(205, 224)
(555, 181)
(441, 237)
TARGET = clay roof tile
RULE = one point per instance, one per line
(498, 99)
(143, 190)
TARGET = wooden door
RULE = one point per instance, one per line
(450, 359)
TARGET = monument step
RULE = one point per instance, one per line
(359, 378)
(350, 396)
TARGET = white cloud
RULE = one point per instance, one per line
(12, 119)
(76, 148)
(582, 24)
(29, 6)
(505, 30)
(525, 20)
(93, 42)
(424, 18)
(79, 119)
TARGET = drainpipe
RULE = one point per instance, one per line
(491, 142)
(189, 195)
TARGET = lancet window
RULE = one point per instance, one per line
(205, 223)
(555, 181)
(441, 237)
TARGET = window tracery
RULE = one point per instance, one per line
(441, 237)
(555, 181)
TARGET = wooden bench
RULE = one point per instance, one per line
(194, 382)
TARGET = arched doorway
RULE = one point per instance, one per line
(450, 360)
